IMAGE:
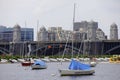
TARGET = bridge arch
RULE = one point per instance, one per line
(112, 49)
(58, 47)
(4, 51)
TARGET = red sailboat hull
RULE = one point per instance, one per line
(26, 63)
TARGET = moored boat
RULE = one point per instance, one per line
(93, 64)
(115, 59)
(76, 68)
(3, 61)
(26, 63)
(39, 65)
(68, 72)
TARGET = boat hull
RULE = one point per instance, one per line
(76, 72)
(26, 63)
(93, 64)
(38, 67)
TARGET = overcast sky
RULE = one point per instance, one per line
(53, 13)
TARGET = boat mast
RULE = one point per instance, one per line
(73, 26)
(37, 38)
(25, 41)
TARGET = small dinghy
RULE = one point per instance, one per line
(76, 68)
(27, 62)
(39, 64)
(93, 64)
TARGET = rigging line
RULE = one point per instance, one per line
(24, 39)
(58, 33)
(65, 48)
(69, 36)
(81, 44)
(60, 38)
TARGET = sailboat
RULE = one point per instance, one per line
(76, 68)
(39, 64)
(27, 61)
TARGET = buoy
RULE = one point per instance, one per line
(53, 74)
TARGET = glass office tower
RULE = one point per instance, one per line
(6, 34)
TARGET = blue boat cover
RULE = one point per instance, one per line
(76, 65)
(39, 62)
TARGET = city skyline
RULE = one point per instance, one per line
(54, 13)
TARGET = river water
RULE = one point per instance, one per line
(103, 71)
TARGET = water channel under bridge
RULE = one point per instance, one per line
(53, 48)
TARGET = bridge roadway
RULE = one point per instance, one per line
(52, 48)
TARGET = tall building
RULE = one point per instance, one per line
(42, 34)
(92, 27)
(100, 34)
(86, 30)
(113, 32)
(16, 33)
(80, 26)
(53, 33)
(79, 36)
(27, 34)
(6, 34)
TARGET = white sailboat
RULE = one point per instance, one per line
(76, 72)
(76, 68)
